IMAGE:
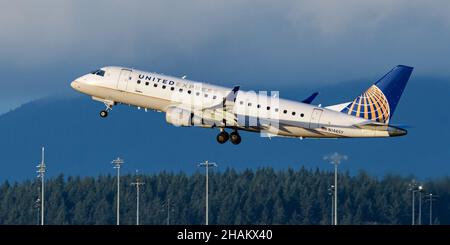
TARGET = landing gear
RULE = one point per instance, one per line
(104, 113)
(235, 138)
(222, 137)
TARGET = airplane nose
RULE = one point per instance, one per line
(74, 85)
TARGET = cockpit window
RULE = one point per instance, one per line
(99, 72)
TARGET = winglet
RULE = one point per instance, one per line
(233, 94)
(310, 98)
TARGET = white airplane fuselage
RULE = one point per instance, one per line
(250, 111)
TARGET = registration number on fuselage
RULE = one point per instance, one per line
(333, 130)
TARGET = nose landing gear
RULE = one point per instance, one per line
(104, 113)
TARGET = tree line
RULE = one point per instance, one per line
(262, 196)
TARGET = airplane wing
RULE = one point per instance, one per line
(221, 113)
(227, 102)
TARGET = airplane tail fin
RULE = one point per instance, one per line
(378, 103)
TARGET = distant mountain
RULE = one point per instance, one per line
(79, 142)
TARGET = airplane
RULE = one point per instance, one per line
(191, 103)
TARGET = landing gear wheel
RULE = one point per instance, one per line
(104, 114)
(222, 137)
(235, 138)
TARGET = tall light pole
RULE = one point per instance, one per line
(41, 173)
(431, 198)
(420, 190)
(138, 184)
(413, 189)
(335, 159)
(207, 164)
(37, 205)
(117, 162)
(169, 209)
(331, 194)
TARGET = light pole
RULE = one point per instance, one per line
(41, 172)
(331, 194)
(138, 184)
(169, 209)
(420, 189)
(37, 203)
(117, 162)
(431, 198)
(335, 159)
(207, 164)
(412, 188)
(431, 208)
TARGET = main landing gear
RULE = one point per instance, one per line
(234, 137)
(104, 113)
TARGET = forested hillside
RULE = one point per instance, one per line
(262, 196)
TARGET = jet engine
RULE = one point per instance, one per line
(184, 118)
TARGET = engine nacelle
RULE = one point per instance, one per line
(184, 118)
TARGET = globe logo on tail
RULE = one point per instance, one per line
(372, 105)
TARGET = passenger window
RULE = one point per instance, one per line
(249, 104)
(302, 115)
(293, 113)
(268, 108)
(258, 106)
(214, 97)
(206, 95)
(285, 111)
(198, 93)
(172, 88)
(155, 85)
(138, 81)
(189, 91)
(276, 109)
(164, 86)
(180, 90)
(241, 102)
(147, 83)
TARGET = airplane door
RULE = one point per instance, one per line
(315, 118)
(124, 77)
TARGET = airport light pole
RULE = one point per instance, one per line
(335, 159)
(412, 188)
(37, 205)
(167, 206)
(169, 209)
(207, 165)
(420, 190)
(41, 173)
(138, 184)
(431, 198)
(117, 163)
(331, 194)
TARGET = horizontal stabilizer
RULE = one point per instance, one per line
(310, 98)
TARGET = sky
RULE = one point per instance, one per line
(262, 43)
